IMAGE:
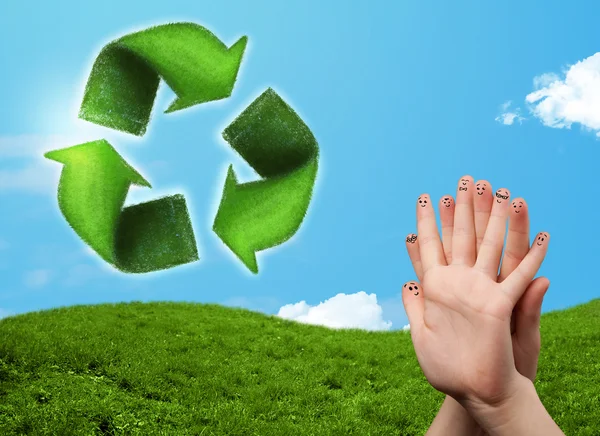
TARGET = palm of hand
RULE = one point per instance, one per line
(464, 305)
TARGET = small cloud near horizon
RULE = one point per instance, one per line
(359, 310)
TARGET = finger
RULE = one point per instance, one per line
(527, 327)
(447, 218)
(464, 248)
(414, 305)
(490, 251)
(514, 285)
(529, 308)
(415, 257)
(482, 206)
(517, 241)
(430, 246)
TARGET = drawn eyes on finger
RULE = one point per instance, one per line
(541, 237)
(517, 206)
(412, 287)
(502, 195)
(447, 202)
(481, 188)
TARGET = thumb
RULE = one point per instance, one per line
(528, 310)
(414, 305)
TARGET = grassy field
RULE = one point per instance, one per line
(195, 369)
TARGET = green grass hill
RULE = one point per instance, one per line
(194, 369)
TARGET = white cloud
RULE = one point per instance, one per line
(507, 117)
(406, 328)
(37, 278)
(359, 310)
(575, 99)
(561, 102)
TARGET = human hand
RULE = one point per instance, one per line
(525, 320)
(460, 317)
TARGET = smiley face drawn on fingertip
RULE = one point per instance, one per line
(501, 195)
(412, 287)
(541, 237)
(447, 201)
(423, 200)
(481, 188)
(463, 182)
(411, 239)
(517, 205)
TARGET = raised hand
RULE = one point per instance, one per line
(525, 321)
(460, 317)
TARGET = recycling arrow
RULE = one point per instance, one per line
(280, 147)
(122, 86)
(120, 93)
(137, 239)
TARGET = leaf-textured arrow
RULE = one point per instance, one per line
(137, 239)
(280, 147)
(122, 86)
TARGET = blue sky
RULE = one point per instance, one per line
(403, 99)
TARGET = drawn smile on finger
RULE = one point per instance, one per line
(517, 205)
(540, 239)
(412, 287)
(411, 239)
(423, 200)
(463, 182)
(501, 195)
(481, 188)
(447, 201)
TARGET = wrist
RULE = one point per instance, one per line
(521, 412)
(453, 420)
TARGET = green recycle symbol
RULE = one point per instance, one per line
(158, 234)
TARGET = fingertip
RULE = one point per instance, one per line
(542, 239)
(518, 207)
(423, 200)
(446, 201)
(481, 187)
(412, 287)
(546, 284)
(502, 195)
